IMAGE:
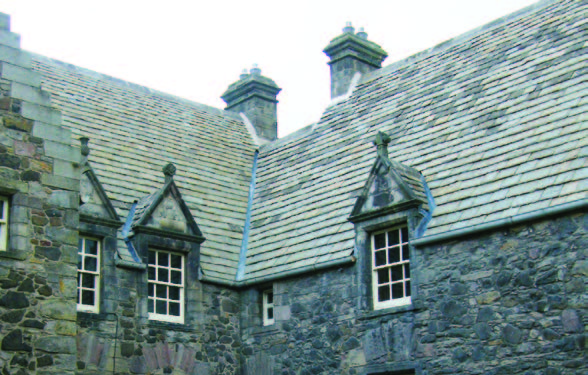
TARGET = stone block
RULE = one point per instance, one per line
(64, 199)
(52, 132)
(15, 56)
(60, 182)
(41, 113)
(30, 94)
(9, 39)
(4, 22)
(65, 169)
(58, 309)
(18, 123)
(56, 344)
(61, 151)
(282, 312)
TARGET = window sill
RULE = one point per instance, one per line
(375, 314)
(264, 330)
(170, 326)
(14, 254)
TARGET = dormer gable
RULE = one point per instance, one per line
(94, 203)
(390, 186)
(165, 211)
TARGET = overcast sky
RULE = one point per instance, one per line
(195, 49)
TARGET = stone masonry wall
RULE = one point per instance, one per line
(509, 302)
(38, 175)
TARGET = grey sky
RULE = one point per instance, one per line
(195, 49)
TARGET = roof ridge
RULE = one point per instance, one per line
(458, 40)
(134, 86)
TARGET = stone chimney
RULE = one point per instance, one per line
(255, 96)
(351, 53)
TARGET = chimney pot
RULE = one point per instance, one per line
(362, 34)
(255, 70)
(348, 28)
(244, 74)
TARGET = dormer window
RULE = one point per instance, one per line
(390, 268)
(165, 283)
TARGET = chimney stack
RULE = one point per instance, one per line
(351, 53)
(255, 96)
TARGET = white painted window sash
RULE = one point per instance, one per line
(268, 307)
(153, 299)
(83, 255)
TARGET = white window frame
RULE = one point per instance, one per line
(4, 223)
(389, 264)
(268, 306)
(152, 297)
(82, 255)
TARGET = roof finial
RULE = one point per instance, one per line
(169, 171)
(381, 141)
(85, 149)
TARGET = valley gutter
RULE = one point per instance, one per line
(244, 243)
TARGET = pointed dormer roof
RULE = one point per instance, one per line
(390, 186)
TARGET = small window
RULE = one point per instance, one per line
(390, 268)
(3, 223)
(88, 275)
(165, 287)
(268, 307)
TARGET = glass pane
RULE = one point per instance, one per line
(176, 277)
(174, 309)
(407, 288)
(407, 271)
(405, 252)
(79, 296)
(163, 259)
(161, 307)
(150, 305)
(396, 273)
(163, 274)
(270, 313)
(270, 297)
(174, 293)
(383, 276)
(80, 258)
(150, 290)
(151, 257)
(384, 293)
(394, 255)
(380, 241)
(80, 245)
(1, 209)
(397, 290)
(91, 247)
(90, 263)
(380, 258)
(176, 261)
(404, 234)
(88, 280)
(161, 291)
(88, 297)
(151, 273)
(393, 237)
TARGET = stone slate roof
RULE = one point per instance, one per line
(134, 131)
(495, 120)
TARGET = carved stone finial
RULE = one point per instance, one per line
(85, 149)
(381, 141)
(169, 170)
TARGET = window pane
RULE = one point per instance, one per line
(407, 271)
(150, 305)
(397, 290)
(163, 259)
(88, 280)
(87, 297)
(176, 277)
(380, 241)
(91, 247)
(405, 253)
(270, 313)
(80, 244)
(174, 293)
(161, 291)
(90, 263)
(407, 288)
(396, 273)
(394, 255)
(1, 209)
(404, 234)
(79, 295)
(161, 307)
(151, 273)
(150, 290)
(383, 276)
(174, 309)
(80, 262)
(162, 274)
(270, 297)
(384, 293)
(380, 258)
(176, 261)
(151, 257)
(393, 237)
